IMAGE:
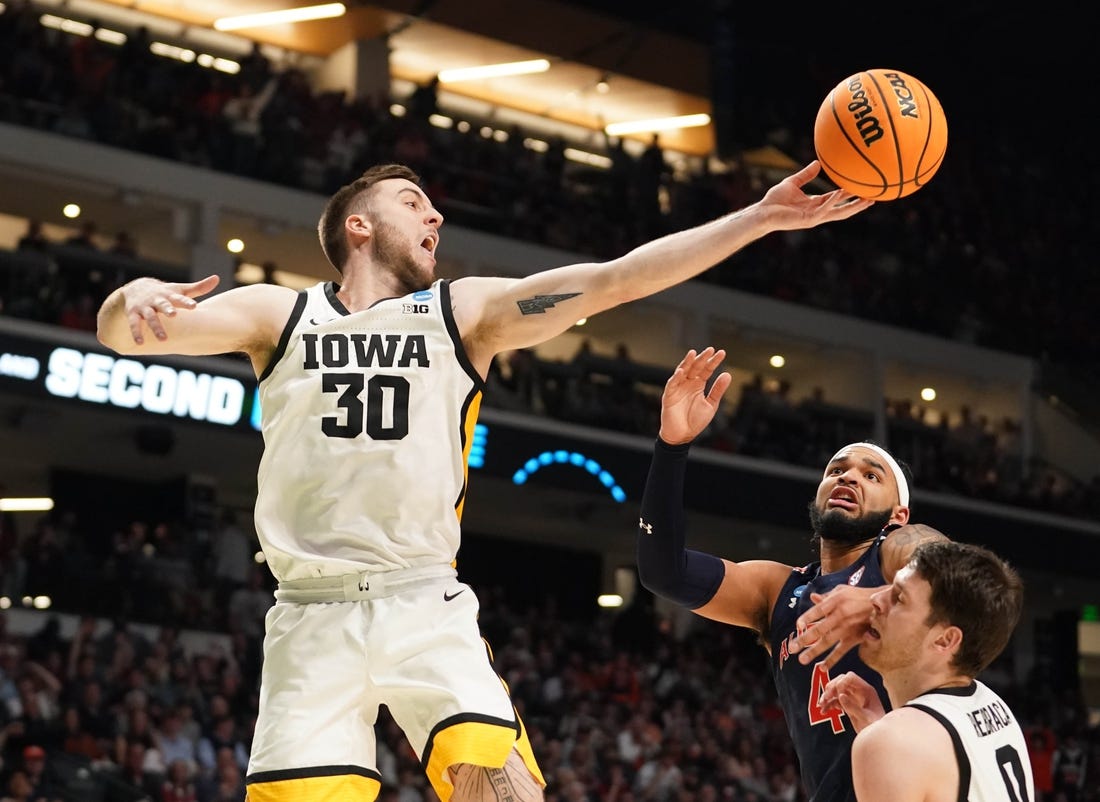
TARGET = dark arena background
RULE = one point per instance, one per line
(956, 326)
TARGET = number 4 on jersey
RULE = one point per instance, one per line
(818, 714)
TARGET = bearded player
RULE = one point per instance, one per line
(859, 518)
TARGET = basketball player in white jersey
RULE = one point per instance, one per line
(949, 737)
(370, 388)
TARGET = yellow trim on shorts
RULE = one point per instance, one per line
(316, 789)
(478, 743)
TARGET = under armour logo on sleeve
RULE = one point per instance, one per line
(647, 527)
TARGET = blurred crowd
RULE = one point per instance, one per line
(643, 704)
(941, 263)
(962, 453)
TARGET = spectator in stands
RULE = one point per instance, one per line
(34, 239)
(222, 736)
(233, 552)
(123, 245)
(79, 313)
(1070, 767)
(179, 784)
(78, 740)
(19, 788)
(1041, 746)
(243, 113)
(39, 773)
(248, 605)
(135, 778)
(269, 269)
(172, 742)
(85, 237)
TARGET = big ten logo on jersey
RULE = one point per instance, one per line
(414, 309)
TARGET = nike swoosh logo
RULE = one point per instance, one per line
(448, 598)
(315, 322)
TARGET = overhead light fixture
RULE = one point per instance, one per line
(584, 157)
(657, 124)
(26, 504)
(494, 70)
(324, 11)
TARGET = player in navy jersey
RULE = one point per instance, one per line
(369, 386)
(860, 519)
(943, 620)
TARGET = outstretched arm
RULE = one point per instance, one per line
(502, 314)
(246, 319)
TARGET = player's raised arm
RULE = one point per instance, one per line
(501, 314)
(734, 593)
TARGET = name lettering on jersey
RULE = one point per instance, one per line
(785, 650)
(365, 350)
(990, 718)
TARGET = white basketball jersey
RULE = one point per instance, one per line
(989, 745)
(367, 420)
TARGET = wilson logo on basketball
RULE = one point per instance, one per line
(870, 129)
(907, 103)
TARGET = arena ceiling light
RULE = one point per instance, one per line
(494, 70)
(42, 504)
(324, 11)
(657, 124)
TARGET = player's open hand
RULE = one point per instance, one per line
(789, 207)
(837, 622)
(146, 299)
(686, 407)
(855, 696)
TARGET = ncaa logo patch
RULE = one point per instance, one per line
(796, 595)
(422, 295)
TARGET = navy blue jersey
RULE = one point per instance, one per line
(823, 741)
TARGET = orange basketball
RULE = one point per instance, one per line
(880, 134)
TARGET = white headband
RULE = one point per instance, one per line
(903, 485)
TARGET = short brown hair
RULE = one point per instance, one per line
(974, 590)
(330, 228)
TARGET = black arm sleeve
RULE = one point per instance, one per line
(665, 567)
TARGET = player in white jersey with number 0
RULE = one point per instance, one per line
(370, 389)
(949, 737)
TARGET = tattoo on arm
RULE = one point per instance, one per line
(540, 303)
(900, 545)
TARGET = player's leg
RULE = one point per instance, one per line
(439, 684)
(512, 783)
(314, 740)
